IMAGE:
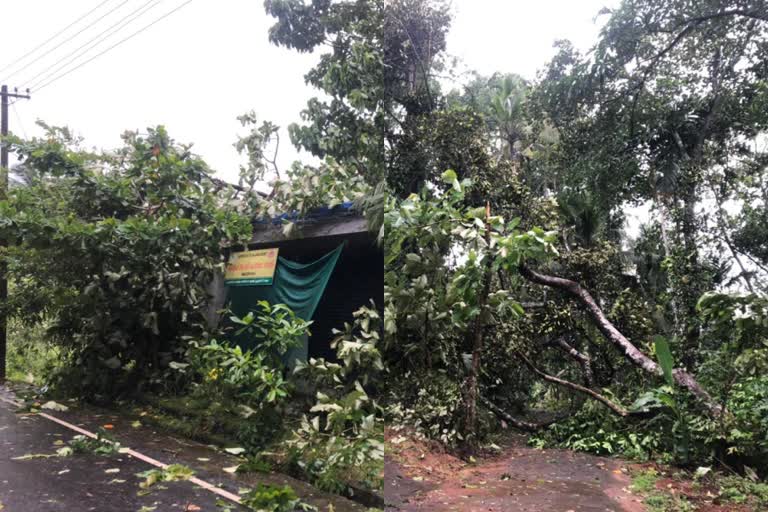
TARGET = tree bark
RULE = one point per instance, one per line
(584, 361)
(630, 351)
(471, 392)
(519, 424)
(690, 277)
(616, 408)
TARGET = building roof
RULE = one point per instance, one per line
(342, 219)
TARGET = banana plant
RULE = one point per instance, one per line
(667, 398)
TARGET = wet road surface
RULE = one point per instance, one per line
(79, 482)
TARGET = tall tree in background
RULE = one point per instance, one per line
(671, 93)
(348, 123)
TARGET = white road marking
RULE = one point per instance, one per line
(133, 453)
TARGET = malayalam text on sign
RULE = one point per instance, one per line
(251, 268)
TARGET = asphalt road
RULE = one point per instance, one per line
(79, 482)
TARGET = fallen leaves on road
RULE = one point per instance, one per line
(65, 451)
(171, 473)
(54, 406)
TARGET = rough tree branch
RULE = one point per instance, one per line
(630, 351)
(519, 424)
(584, 361)
(616, 408)
(755, 14)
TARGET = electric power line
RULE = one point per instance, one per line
(58, 65)
(63, 42)
(145, 27)
(33, 50)
(18, 118)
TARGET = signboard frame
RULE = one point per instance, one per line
(251, 268)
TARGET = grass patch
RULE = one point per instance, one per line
(688, 490)
(739, 490)
(645, 482)
(659, 502)
(222, 424)
(203, 421)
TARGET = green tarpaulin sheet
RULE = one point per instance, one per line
(299, 286)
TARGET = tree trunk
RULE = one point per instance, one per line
(664, 226)
(630, 351)
(690, 280)
(470, 395)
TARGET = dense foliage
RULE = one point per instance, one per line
(340, 443)
(598, 335)
(115, 252)
(517, 292)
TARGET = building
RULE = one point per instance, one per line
(355, 279)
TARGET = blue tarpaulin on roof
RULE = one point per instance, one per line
(316, 213)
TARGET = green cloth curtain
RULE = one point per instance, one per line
(299, 286)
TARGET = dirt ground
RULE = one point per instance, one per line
(418, 476)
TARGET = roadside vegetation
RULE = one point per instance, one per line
(110, 256)
(520, 290)
(580, 257)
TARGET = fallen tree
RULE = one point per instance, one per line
(527, 426)
(609, 331)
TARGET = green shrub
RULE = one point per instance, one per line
(645, 482)
(742, 490)
(432, 405)
(221, 370)
(595, 430)
(116, 250)
(32, 357)
(340, 443)
(271, 498)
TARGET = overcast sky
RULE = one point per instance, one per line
(198, 69)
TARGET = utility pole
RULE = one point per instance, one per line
(4, 96)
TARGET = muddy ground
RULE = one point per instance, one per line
(419, 477)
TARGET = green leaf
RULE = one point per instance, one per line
(664, 357)
(449, 176)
